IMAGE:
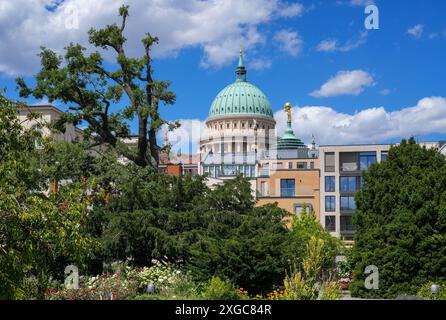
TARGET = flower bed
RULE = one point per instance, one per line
(121, 285)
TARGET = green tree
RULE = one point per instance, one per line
(83, 81)
(401, 222)
(303, 228)
(148, 214)
(237, 241)
(35, 229)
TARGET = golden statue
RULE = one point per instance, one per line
(288, 110)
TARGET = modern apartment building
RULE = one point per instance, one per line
(341, 170)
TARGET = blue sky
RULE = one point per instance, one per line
(380, 85)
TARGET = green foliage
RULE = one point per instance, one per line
(235, 240)
(306, 281)
(35, 229)
(218, 289)
(331, 291)
(401, 222)
(297, 288)
(148, 215)
(83, 81)
(425, 291)
(302, 230)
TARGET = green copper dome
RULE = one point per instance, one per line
(241, 98)
(289, 141)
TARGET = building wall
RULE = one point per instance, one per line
(345, 165)
(306, 184)
(49, 114)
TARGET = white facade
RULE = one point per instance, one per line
(49, 114)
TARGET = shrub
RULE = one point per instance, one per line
(425, 291)
(330, 291)
(297, 288)
(164, 277)
(219, 289)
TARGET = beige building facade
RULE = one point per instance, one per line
(291, 183)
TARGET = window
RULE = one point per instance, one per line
(347, 223)
(330, 184)
(301, 165)
(330, 204)
(330, 223)
(366, 159)
(299, 207)
(290, 165)
(253, 171)
(212, 171)
(330, 162)
(38, 139)
(350, 184)
(348, 203)
(264, 188)
(246, 171)
(287, 188)
(311, 165)
(384, 156)
(348, 161)
(229, 170)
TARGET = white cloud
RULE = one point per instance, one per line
(217, 26)
(289, 11)
(331, 45)
(361, 2)
(416, 31)
(385, 92)
(433, 35)
(356, 3)
(185, 139)
(260, 64)
(345, 83)
(372, 125)
(289, 41)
